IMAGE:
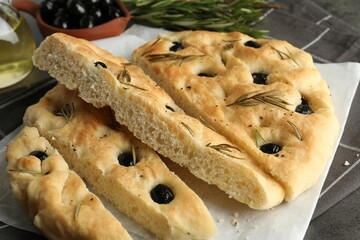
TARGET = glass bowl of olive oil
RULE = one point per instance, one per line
(17, 46)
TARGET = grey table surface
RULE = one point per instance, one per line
(341, 221)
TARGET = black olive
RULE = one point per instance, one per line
(259, 78)
(98, 63)
(270, 148)
(39, 154)
(206, 75)
(48, 10)
(126, 159)
(304, 107)
(76, 8)
(162, 194)
(107, 3)
(114, 12)
(87, 22)
(176, 47)
(60, 11)
(97, 14)
(92, 3)
(252, 44)
(62, 21)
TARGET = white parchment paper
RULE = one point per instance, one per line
(234, 220)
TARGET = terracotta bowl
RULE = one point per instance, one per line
(109, 29)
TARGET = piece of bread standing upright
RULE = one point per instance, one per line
(140, 104)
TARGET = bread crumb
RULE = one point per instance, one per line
(221, 220)
(346, 163)
(236, 214)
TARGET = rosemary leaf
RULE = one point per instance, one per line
(124, 75)
(257, 97)
(161, 57)
(124, 78)
(284, 55)
(257, 136)
(149, 49)
(77, 210)
(134, 86)
(67, 112)
(225, 149)
(189, 129)
(297, 131)
(202, 120)
(133, 153)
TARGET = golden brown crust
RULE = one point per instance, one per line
(91, 141)
(154, 118)
(54, 197)
(307, 140)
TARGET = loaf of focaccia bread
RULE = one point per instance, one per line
(263, 95)
(118, 166)
(54, 197)
(139, 103)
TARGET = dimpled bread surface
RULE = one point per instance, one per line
(215, 76)
(54, 197)
(92, 142)
(151, 115)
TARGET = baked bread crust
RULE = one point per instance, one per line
(217, 76)
(92, 143)
(105, 80)
(54, 197)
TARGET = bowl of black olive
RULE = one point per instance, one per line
(88, 19)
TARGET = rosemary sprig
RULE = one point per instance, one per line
(32, 172)
(224, 149)
(257, 97)
(188, 128)
(77, 209)
(297, 131)
(67, 112)
(161, 57)
(284, 55)
(214, 15)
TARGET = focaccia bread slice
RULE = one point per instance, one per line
(105, 80)
(263, 95)
(54, 197)
(118, 166)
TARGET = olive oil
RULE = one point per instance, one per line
(16, 46)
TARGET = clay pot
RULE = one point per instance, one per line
(109, 29)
